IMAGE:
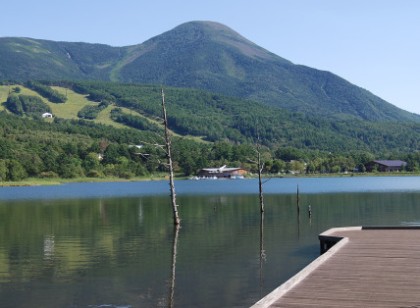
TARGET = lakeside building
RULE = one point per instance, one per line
(386, 165)
(222, 172)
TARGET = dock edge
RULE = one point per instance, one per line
(329, 246)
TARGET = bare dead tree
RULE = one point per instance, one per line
(260, 185)
(163, 145)
(260, 167)
(176, 218)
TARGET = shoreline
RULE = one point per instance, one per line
(160, 177)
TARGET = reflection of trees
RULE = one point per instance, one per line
(173, 267)
(263, 256)
(69, 236)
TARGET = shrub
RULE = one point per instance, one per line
(94, 174)
(48, 175)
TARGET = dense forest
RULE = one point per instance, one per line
(215, 117)
(209, 130)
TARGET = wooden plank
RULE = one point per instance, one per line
(376, 267)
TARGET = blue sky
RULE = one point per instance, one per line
(374, 44)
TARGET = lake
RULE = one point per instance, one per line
(113, 244)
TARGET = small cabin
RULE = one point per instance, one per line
(222, 173)
(386, 165)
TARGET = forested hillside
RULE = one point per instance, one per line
(201, 55)
(213, 117)
(108, 129)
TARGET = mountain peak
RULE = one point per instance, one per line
(210, 32)
(211, 29)
(206, 24)
(205, 55)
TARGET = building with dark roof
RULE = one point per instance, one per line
(386, 165)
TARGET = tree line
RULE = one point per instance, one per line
(31, 147)
(47, 92)
(72, 149)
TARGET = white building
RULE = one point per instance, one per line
(47, 115)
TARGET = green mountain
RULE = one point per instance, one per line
(25, 59)
(201, 55)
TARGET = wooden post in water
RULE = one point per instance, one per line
(177, 220)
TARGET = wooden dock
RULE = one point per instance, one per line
(367, 267)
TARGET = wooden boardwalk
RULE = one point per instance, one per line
(368, 267)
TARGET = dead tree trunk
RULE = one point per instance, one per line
(260, 185)
(177, 220)
(297, 200)
(260, 167)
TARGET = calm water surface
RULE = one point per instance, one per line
(114, 245)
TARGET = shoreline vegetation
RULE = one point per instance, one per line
(60, 181)
(162, 177)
